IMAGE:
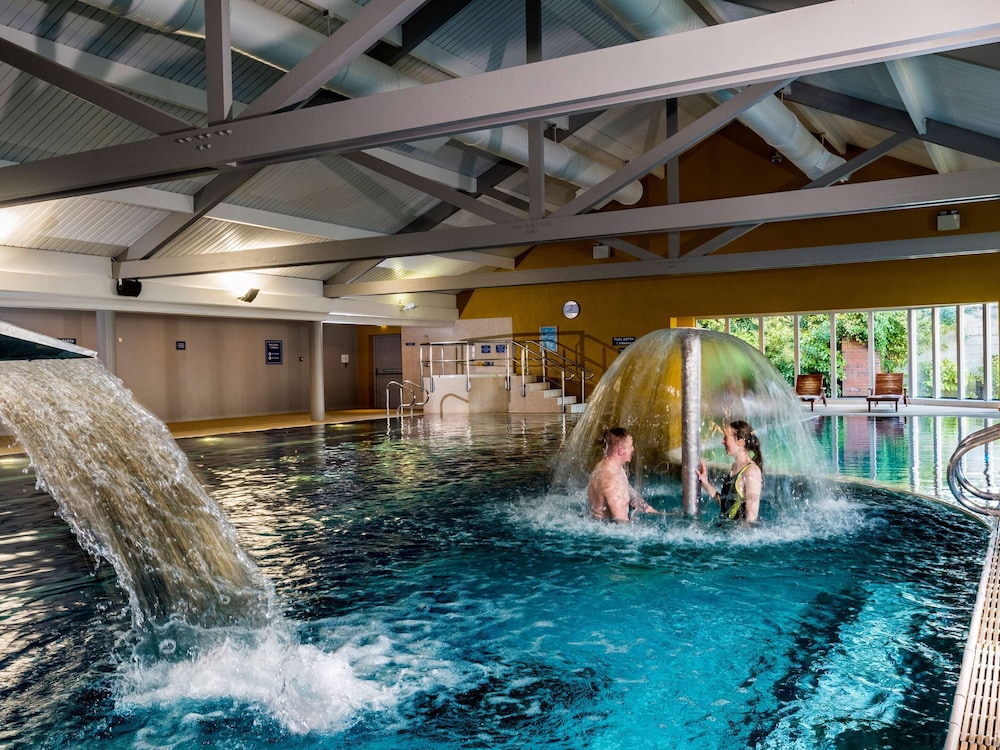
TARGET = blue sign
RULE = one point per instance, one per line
(501, 348)
(273, 352)
(549, 337)
(485, 349)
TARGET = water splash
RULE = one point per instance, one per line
(642, 392)
(128, 493)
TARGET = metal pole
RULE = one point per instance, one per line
(691, 424)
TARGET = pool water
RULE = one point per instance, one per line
(435, 591)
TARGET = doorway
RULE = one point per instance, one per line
(388, 358)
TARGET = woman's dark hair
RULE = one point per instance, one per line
(743, 431)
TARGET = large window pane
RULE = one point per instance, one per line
(891, 345)
(747, 330)
(948, 351)
(852, 354)
(994, 351)
(925, 353)
(972, 351)
(814, 346)
(779, 344)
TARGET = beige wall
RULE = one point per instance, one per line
(221, 372)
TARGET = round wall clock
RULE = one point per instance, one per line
(571, 309)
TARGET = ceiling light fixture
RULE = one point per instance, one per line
(408, 306)
(250, 296)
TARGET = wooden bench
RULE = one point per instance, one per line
(888, 387)
(809, 387)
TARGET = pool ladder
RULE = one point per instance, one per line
(971, 497)
(406, 388)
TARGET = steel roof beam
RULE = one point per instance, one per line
(673, 146)
(842, 172)
(806, 257)
(88, 89)
(716, 57)
(416, 29)
(852, 108)
(840, 200)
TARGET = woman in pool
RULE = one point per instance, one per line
(739, 499)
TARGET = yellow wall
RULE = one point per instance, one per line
(725, 166)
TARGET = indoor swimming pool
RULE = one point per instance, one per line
(432, 589)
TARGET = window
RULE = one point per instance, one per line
(943, 352)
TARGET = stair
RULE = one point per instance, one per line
(541, 397)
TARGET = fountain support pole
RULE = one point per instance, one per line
(690, 421)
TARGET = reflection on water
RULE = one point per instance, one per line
(439, 596)
(909, 452)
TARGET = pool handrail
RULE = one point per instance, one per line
(405, 386)
(988, 503)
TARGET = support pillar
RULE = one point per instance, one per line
(317, 403)
(107, 340)
(691, 421)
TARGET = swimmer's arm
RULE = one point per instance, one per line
(618, 499)
(640, 505)
(709, 487)
(752, 485)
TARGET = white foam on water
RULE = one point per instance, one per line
(301, 687)
(823, 517)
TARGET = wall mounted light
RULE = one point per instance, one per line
(948, 221)
(250, 296)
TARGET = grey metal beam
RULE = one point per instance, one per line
(673, 146)
(807, 257)
(218, 60)
(88, 89)
(210, 196)
(949, 136)
(432, 188)
(417, 28)
(714, 59)
(349, 41)
(840, 200)
(834, 175)
(672, 173)
(345, 45)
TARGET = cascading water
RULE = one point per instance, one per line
(642, 391)
(127, 491)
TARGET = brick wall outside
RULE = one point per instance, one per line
(855, 355)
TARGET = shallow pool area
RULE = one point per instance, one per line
(434, 590)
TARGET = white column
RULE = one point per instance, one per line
(107, 340)
(317, 403)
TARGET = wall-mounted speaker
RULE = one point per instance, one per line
(129, 287)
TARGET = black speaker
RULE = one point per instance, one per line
(129, 287)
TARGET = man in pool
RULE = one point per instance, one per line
(609, 492)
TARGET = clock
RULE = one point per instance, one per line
(571, 309)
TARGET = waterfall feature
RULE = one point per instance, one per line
(127, 491)
(675, 390)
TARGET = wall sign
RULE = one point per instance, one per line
(273, 352)
(549, 337)
(179, 345)
(622, 341)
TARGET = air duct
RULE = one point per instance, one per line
(770, 119)
(279, 41)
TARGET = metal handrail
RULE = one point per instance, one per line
(407, 386)
(988, 503)
(525, 356)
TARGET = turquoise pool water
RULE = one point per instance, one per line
(436, 593)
